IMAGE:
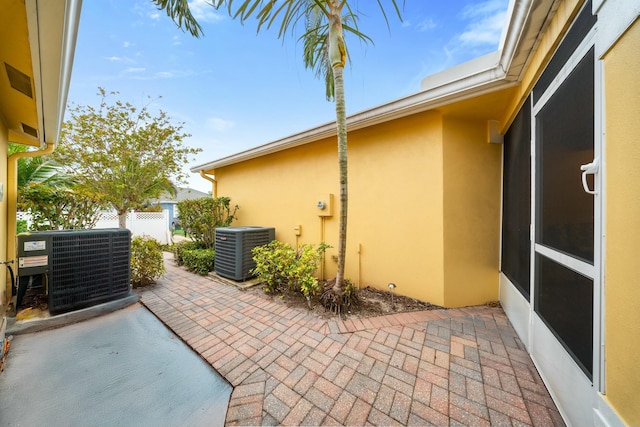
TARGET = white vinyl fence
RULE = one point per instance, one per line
(153, 224)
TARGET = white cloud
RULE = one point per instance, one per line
(163, 75)
(426, 25)
(219, 124)
(127, 44)
(486, 21)
(114, 58)
(135, 70)
(176, 41)
(203, 11)
(483, 9)
(154, 15)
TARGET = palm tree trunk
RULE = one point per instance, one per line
(341, 119)
(337, 53)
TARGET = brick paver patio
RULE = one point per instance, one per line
(288, 367)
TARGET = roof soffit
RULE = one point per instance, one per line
(16, 108)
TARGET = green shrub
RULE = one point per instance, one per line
(200, 217)
(147, 263)
(199, 260)
(21, 226)
(180, 247)
(285, 269)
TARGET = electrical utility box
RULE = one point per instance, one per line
(34, 250)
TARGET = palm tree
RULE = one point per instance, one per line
(325, 51)
(37, 170)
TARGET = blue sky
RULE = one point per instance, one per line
(235, 90)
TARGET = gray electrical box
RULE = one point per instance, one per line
(34, 251)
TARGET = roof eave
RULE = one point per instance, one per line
(492, 72)
(53, 29)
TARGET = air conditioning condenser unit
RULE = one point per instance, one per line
(233, 247)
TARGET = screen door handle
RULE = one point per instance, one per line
(589, 169)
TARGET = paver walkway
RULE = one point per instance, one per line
(288, 367)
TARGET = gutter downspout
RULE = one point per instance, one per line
(213, 181)
(12, 201)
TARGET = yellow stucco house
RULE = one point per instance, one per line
(512, 177)
(37, 43)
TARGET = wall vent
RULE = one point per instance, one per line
(233, 247)
(19, 80)
(29, 130)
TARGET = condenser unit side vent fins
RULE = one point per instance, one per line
(234, 245)
(86, 267)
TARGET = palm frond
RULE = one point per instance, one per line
(180, 13)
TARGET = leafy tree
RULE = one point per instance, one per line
(59, 207)
(122, 152)
(51, 196)
(200, 217)
(325, 51)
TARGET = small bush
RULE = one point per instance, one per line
(199, 260)
(201, 217)
(285, 269)
(180, 247)
(21, 226)
(147, 263)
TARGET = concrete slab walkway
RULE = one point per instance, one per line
(288, 367)
(120, 369)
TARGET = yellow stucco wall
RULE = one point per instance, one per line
(423, 211)
(395, 205)
(472, 182)
(622, 273)
(395, 202)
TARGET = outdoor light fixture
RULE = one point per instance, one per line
(392, 286)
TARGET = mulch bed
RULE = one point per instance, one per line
(371, 302)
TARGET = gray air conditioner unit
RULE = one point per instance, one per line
(234, 259)
(82, 267)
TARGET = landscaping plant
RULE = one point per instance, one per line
(285, 269)
(199, 261)
(147, 263)
(200, 217)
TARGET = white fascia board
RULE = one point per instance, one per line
(53, 29)
(474, 78)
